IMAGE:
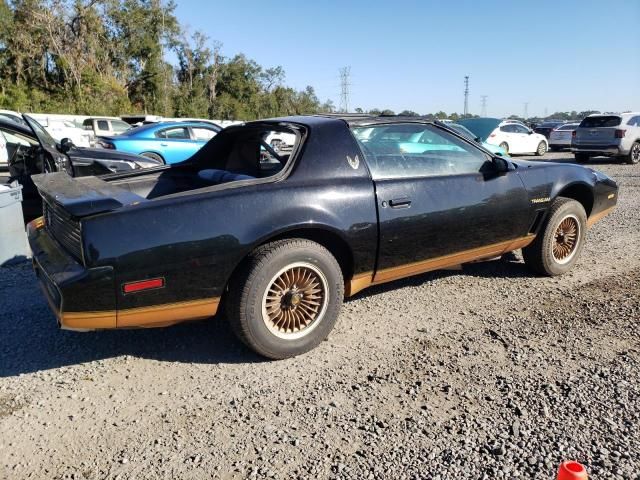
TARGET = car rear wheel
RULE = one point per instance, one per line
(505, 147)
(542, 149)
(582, 157)
(634, 155)
(286, 299)
(558, 245)
(153, 156)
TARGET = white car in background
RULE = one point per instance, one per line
(517, 138)
(560, 137)
(60, 129)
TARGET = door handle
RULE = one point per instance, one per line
(164, 144)
(402, 202)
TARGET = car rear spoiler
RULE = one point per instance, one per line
(84, 195)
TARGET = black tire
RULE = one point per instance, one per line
(255, 282)
(505, 147)
(634, 154)
(545, 254)
(582, 157)
(542, 149)
(153, 156)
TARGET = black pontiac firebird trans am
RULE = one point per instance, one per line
(280, 239)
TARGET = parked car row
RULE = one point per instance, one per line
(611, 135)
(512, 136)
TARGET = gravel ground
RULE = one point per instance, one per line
(489, 372)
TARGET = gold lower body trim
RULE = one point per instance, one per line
(142, 317)
(599, 216)
(361, 281)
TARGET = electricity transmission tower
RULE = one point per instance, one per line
(345, 73)
(526, 110)
(466, 95)
(484, 105)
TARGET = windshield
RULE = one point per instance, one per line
(601, 121)
(45, 139)
(118, 126)
(462, 130)
(480, 127)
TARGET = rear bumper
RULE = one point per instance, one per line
(81, 298)
(598, 149)
(559, 143)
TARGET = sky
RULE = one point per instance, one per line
(557, 55)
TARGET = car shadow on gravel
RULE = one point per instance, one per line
(30, 340)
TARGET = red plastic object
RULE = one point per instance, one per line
(133, 287)
(571, 470)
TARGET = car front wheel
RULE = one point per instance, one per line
(542, 149)
(558, 245)
(286, 299)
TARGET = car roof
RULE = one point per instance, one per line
(631, 114)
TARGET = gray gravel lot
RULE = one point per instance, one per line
(489, 372)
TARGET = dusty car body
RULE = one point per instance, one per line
(281, 240)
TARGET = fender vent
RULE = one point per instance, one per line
(537, 221)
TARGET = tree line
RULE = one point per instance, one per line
(108, 57)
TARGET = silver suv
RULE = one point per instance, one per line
(611, 135)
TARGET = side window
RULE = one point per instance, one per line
(203, 134)
(402, 150)
(634, 121)
(103, 125)
(175, 133)
(507, 128)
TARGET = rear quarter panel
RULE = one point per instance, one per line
(196, 240)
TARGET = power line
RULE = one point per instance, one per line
(466, 95)
(345, 73)
(484, 105)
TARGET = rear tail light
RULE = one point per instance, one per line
(620, 133)
(151, 284)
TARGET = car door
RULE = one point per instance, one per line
(503, 134)
(529, 139)
(446, 205)
(175, 143)
(519, 139)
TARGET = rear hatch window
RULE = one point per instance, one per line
(602, 121)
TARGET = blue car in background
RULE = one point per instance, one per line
(169, 142)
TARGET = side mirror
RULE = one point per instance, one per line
(501, 165)
(531, 132)
(66, 144)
